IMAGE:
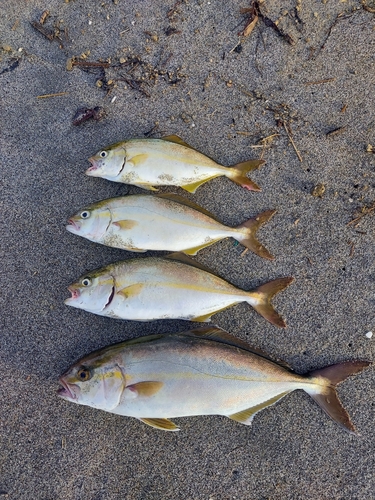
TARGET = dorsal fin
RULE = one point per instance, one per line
(218, 335)
(188, 203)
(177, 140)
(185, 259)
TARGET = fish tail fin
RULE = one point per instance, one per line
(237, 174)
(248, 238)
(263, 296)
(324, 393)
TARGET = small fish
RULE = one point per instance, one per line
(165, 288)
(205, 371)
(141, 222)
(164, 162)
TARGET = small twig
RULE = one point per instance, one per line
(351, 248)
(44, 16)
(89, 64)
(57, 94)
(244, 252)
(335, 131)
(365, 211)
(318, 82)
(293, 144)
(49, 34)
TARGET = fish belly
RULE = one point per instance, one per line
(153, 229)
(167, 301)
(160, 163)
(155, 288)
(202, 382)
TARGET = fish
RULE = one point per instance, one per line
(141, 222)
(169, 161)
(205, 371)
(164, 288)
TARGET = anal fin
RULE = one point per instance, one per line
(195, 250)
(162, 424)
(246, 416)
(206, 318)
(191, 188)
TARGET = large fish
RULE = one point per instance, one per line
(162, 222)
(166, 288)
(199, 372)
(164, 162)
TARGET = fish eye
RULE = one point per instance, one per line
(103, 154)
(85, 214)
(84, 374)
(86, 281)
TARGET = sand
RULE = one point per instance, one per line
(223, 99)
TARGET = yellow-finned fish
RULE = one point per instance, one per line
(166, 288)
(199, 372)
(162, 222)
(164, 162)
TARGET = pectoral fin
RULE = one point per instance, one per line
(246, 416)
(138, 159)
(125, 224)
(160, 423)
(131, 291)
(145, 389)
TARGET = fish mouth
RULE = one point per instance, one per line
(72, 226)
(110, 298)
(94, 166)
(65, 392)
(74, 292)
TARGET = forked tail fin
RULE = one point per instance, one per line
(264, 295)
(237, 173)
(328, 399)
(249, 239)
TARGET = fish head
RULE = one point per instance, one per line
(96, 380)
(91, 222)
(93, 291)
(108, 163)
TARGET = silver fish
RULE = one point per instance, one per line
(165, 162)
(198, 372)
(141, 222)
(166, 288)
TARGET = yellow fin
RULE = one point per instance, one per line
(195, 250)
(195, 185)
(264, 294)
(177, 140)
(206, 318)
(185, 259)
(131, 291)
(125, 224)
(136, 160)
(145, 186)
(145, 389)
(216, 334)
(188, 203)
(246, 416)
(160, 423)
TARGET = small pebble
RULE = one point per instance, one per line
(369, 335)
